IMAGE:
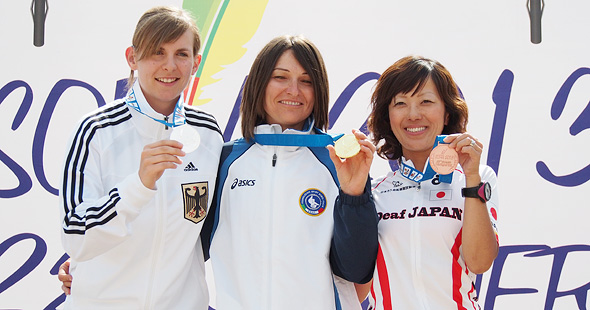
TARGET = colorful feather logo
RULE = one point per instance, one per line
(226, 26)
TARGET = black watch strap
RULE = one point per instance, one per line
(483, 191)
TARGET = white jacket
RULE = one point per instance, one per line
(274, 225)
(133, 247)
(420, 263)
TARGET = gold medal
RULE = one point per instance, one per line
(347, 146)
(188, 136)
(443, 159)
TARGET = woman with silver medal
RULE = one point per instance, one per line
(131, 218)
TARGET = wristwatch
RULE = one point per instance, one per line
(483, 191)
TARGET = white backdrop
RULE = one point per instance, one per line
(529, 104)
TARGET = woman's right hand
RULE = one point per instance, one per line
(157, 157)
(64, 276)
(354, 171)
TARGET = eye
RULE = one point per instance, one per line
(306, 81)
(398, 103)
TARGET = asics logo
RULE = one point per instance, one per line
(239, 183)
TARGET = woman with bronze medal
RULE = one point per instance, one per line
(437, 227)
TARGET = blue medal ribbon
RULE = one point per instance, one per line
(308, 140)
(178, 117)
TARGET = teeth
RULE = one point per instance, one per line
(416, 129)
(290, 102)
(166, 80)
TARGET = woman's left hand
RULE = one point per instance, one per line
(480, 246)
(469, 150)
(354, 171)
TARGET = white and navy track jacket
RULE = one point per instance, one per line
(133, 247)
(272, 245)
(420, 263)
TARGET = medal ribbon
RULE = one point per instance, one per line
(319, 140)
(412, 174)
(177, 116)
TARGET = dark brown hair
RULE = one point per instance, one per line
(405, 75)
(308, 56)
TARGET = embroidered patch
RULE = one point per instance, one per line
(313, 202)
(195, 196)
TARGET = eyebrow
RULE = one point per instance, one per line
(419, 94)
(182, 49)
(286, 70)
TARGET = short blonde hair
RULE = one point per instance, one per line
(159, 25)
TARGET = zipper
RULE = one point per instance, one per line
(267, 296)
(157, 241)
(156, 252)
(157, 244)
(417, 254)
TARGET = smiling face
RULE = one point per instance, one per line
(165, 74)
(289, 95)
(416, 118)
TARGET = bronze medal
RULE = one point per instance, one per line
(443, 159)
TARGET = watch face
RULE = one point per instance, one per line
(487, 191)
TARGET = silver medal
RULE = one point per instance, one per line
(188, 136)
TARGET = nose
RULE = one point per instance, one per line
(293, 88)
(169, 63)
(414, 112)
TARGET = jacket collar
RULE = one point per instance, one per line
(276, 128)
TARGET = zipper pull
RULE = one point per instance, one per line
(274, 160)
(166, 120)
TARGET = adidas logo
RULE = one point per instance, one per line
(191, 167)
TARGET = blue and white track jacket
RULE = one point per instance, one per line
(276, 214)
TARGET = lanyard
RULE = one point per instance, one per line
(177, 116)
(309, 140)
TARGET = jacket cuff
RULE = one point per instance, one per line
(361, 199)
(134, 193)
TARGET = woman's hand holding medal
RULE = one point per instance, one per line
(352, 155)
(157, 157)
(468, 154)
(188, 136)
(164, 154)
